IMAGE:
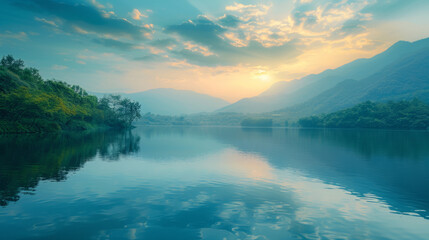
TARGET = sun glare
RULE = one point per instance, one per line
(264, 77)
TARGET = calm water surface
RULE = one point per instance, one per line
(215, 183)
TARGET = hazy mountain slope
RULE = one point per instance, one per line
(168, 101)
(285, 94)
(403, 80)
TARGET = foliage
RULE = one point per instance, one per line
(214, 119)
(203, 119)
(412, 114)
(30, 104)
(155, 119)
(287, 123)
(119, 111)
(257, 122)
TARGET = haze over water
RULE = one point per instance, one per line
(216, 183)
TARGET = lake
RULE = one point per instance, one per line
(215, 183)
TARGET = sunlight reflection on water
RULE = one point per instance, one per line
(205, 183)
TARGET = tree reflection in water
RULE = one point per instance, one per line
(27, 159)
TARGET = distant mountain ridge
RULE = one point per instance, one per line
(169, 101)
(404, 79)
(400, 72)
(283, 95)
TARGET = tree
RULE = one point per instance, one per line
(12, 64)
(128, 111)
(120, 111)
(30, 104)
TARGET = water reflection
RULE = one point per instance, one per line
(27, 159)
(390, 164)
(392, 144)
(232, 183)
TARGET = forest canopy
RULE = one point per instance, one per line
(412, 114)
(28, 103)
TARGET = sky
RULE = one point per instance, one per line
(227, 49)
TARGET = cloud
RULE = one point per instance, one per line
(308, 22)
(383, 9)
(59, 67)
(97, 4)
(201, 30)
(111, 43)
(326, 17)
(251, 36)
(149, 58)
(249, 11)
(197, 48)
(163, 43)
(43, 20)
(197, 58)
(86, 18)
(211, 47)
(204, 33)
(21, 36)
(137, 15)
(228, 20)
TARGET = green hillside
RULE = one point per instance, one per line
(413, 114)
(30, 104)
(405, 79)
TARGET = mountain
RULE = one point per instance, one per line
(287, 94)
(168, 101)
(404, 79)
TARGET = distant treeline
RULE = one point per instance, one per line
(30, 104)
(212, 119)
(155, 119)
(412, 114)
(257, 122)
(204, 119)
